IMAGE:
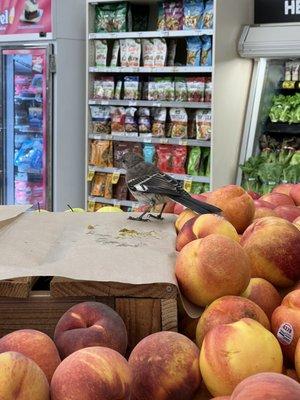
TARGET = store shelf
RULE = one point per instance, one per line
(154, 140)
(282, 128)
(115, 202)
(179, 177)
(150, 34)
(146, 70)
(147, 103)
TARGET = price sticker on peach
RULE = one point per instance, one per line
(285, 333)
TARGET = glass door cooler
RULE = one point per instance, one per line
(25, 147)
(270, 151)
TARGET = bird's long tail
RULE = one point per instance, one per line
(195, 205)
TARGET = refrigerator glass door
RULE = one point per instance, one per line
(24, 127)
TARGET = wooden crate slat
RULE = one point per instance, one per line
(17, 288)
(141, 316)
(169, 318)
(63, 287)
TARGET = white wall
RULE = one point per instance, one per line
(231, 86)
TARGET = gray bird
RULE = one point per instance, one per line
(152, 187)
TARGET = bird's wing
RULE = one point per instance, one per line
(158, 183)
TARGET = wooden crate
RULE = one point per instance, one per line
(145, 309)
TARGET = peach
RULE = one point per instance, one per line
(165, 366)
(264, 294)
(209, 268)
(254, 195)
(290, 213)
(267, 386)
(90, 324)
(262, 203)
(295, 194)
(184, 217)
(35, 345)
(221, 398)
(278, 199)
(284, 188)
(237, 205)
(186, 234)
(273, 245)
(297, 359)
(261, 212)
(286, 323)
(208, 224)
(226, 310)
(296, 222)
(231, 353)
(93, 373)
(21, 378)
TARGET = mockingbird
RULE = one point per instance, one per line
(152, 187)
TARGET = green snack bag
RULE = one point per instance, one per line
(194, 161)
(197, 188)
(111, 17)
(204, 161)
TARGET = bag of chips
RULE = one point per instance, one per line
(115, 54)
(108, 190)
(130, 52)
(164, 157)
(173, 12)
(193, 10)
(100, 53)
(101, 119)
(180, 89)
(118, 120)
(120, 189)
(98, 185)
(131, 125)
(148, 48)
(159, 116)
(171, 53)
(101, 153)
(111, 17)
(203, 125)
(104, 88)
(144, 121)
(131, 87)
(206, 53)
(149, 153)
(179, 159)
(194, 47)
(196, 89)
(208, 90)
(161, 24)
(208, 15)
(160, 51)
(179, 120)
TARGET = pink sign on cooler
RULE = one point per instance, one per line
(25, 16)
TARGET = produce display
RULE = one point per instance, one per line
(243, 274)
(285, 109)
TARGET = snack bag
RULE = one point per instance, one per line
(173, 12)
(130, 52)
(193, 10)
(148, 48)
(108, 189)
(131, 125)
(179, 159)
(208, 90)
(104, 88)
(111, 17)
(131, 88)
(208, 15)
(100, 53)
(101, 119)
(165, 89)
(196, 89)
(194, 158)
(118, 90)
(179, 120)
(98, 185)
(118, 120)
(144, 121)
(180, 89)
(159, 116)
(101, 153)
(203, 125)
(120, 189)
(164, 157)
(149, 153)
(115, 54)
(161, 24)
(206, 53)
(153, 91)
(160, 50)
(194, 47)
(171, 53)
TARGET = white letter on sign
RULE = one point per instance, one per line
(289, 7)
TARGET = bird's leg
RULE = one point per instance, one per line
(159, 216)
(140, 218)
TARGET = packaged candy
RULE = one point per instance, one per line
(159, 116)
(98, 184)
(149, 153)
(101, 119)
(203, 125)
(144, 121)
(131, 125)
(104, 88)
(118, 119)
(111, 17)
(164, 157)
(173, 12)
(101, 153)
(193, 10)
(115, 54)
(194, 47)
(179, 120)
(131, 88)
(194, 159)
(160, 51)
(148, 48)
(179, 159)
(180, 89)
(208, 15)
(206, 53)
(100, 53)
(130, 52)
